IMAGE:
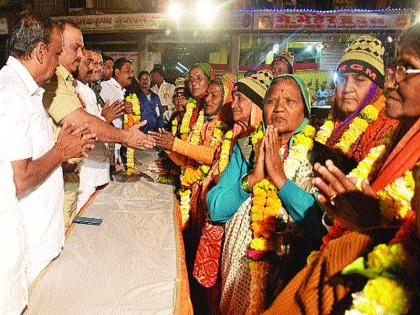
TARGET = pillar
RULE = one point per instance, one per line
(234, 53)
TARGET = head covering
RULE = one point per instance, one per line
(255, 86)
(206, 68)
(228, 76)
(365, 56)
(180, 86)
(304, 91)
(227, 89)
(285, 56)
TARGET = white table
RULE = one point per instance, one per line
(127, 265)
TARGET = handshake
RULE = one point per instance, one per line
(76, 142)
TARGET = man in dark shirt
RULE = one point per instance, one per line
(150, 105)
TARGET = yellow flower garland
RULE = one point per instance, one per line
(381, 296)
(185, 198)
(302, 144)
(184, 129)
(265, 209)
(356, 128)
(383, 293)
(395, 199)
(129, 121)
(265, 201)
(325, 131)
(198, 126)
(367, 167)
(191, 174)
(225, 151)
(174, 126)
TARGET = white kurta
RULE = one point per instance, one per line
(29, 134)
(166, 93)
(94, 170)
(13, 288)
(111, 92)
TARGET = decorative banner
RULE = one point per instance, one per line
(3, 26)
(340, 20)
(275, 20)
(155, 21)
(119, 22)
(239, 21)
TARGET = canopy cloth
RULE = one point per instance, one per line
(133, 263)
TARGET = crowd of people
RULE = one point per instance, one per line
(279, 215)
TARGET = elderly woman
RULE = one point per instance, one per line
(180, 148)
(381, 206)
(248, 96)
(358, 122)
(282, 63)
(278, 169)
(195, 155)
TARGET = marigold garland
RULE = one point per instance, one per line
(381, 296)
(174, 126)
(325, 131)
(185, 198)
(265, 209)
(191, 174)
(225, 151)
(303, 142)
(368, 166)
(356, 128)
(129, 121)
(395, 199)
(390, 288)
(198, 126)
(184, 129)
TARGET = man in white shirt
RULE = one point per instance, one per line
(165, 91)
(27, 142)
(114, 89)
(94, 170)
(13, 287)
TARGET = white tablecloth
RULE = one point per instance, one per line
(127, 265)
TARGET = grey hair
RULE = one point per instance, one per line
(29, 32)
(409, 40)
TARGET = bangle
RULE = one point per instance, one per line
(245, 184)
(60, 148)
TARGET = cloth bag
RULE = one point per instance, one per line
(207, 260)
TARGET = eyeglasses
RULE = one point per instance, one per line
(399, 73)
